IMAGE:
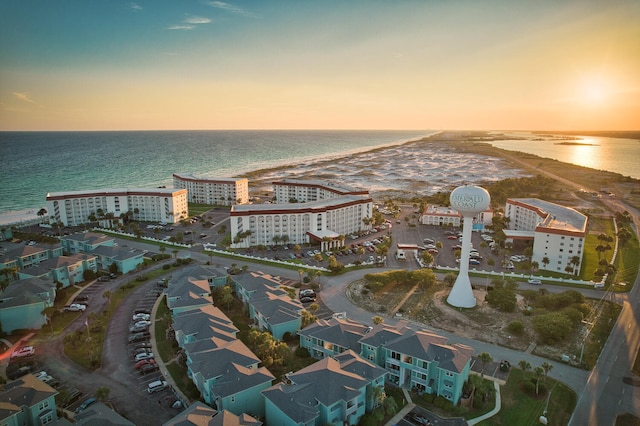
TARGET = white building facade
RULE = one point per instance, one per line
(558, 232)
(305, 191)
(149, 204)
(299, 223)
(215, 191)
(448, 216)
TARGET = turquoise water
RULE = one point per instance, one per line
(35, 163)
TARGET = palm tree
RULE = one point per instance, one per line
(524, 366)
(485, 358)
(546, 367)
(539, 372)
(41, 213)
(300, 274)
(545, 261)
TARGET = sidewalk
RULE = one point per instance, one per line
(161, 365)
(405, 410)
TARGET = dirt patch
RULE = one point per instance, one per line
(431, 308)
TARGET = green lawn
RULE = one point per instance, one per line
(519, 408)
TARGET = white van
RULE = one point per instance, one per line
(157, 386)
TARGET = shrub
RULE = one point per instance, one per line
(529, 388)
(516, 327)
(166, 267)
(302, 352)
(553, 327)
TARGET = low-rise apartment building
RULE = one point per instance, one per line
(213, 190)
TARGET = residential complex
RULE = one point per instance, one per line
(420, 360)
(558, 232)
(148, 205)
(209, 190)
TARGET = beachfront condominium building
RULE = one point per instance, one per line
(305, 191)
(558, 232)
(213, 190)
(325, 221)
(304, 211)
(108, 205)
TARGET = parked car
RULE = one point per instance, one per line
(138, 328)
(138, 365)
(85, 404)
(82, 299)
(148, 368)
(142, 351)
(146, 355)
(138, 337)
(142, 345)
(141, 317)
(307, 300)
(157, 386)
(25, 351)
(307, 292)
(75, 307)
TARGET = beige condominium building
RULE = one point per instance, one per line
(213, 190)
(145, 204)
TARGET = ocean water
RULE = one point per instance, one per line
(619, 155)
(35, 163)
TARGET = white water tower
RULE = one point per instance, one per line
(469, 201)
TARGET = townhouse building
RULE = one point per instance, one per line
(86, 242)
(419, 360)
(74, 208)
(23, 302)
(270, 307)
(28, 256)
(28, 401)
(200, 414)
(66, 270)
(332, 391)
(558, 232)
(328, 338)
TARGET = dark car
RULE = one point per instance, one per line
(142, 345)
(85, 404)
(148, 368)
(307, 300)
(139, 337)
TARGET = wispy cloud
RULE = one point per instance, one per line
(197, 20)
(229, 8)
(181, 27)
(24, 97)
(190, 22)
(135, 6)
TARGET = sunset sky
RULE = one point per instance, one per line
(302, 64)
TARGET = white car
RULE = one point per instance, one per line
(146, 355)
(141, 317)
(157, 386)
(534, 281)
(76, 307)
